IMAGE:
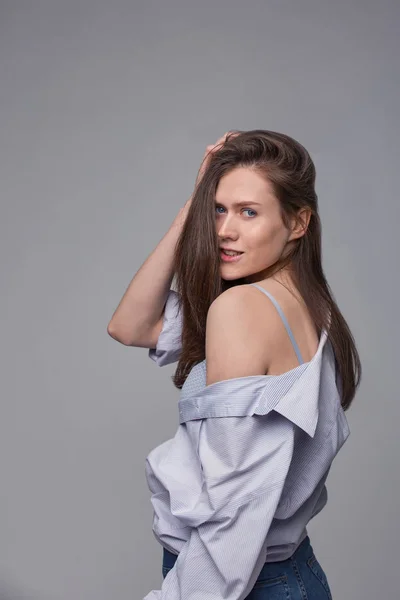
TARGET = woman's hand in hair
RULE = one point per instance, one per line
(181, 217)
(209, 152)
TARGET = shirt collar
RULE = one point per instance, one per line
(295, 395)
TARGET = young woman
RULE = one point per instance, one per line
(267, 367)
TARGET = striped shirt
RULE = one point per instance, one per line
(246, 470)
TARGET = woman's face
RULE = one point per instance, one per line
(248, 220)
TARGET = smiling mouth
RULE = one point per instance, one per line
(230, 257)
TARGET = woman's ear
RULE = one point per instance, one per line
(300, 223)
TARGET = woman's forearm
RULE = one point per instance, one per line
(141, 306)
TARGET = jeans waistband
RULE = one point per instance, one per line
(303, 552)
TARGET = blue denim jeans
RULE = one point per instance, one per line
(300, 577)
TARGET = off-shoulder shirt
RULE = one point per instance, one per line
(246, 470)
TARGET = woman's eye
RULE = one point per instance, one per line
(245, 209)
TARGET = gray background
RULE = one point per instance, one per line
(106, 110)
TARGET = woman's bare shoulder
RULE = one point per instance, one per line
(246, 313)
(240, 333)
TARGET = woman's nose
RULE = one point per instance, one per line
(226, 228)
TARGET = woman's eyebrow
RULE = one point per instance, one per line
(243, 203)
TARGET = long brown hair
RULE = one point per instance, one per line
(288, 167)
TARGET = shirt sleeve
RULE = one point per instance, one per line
(227, 495)
(169, 344)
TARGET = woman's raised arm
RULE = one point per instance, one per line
(137, 320)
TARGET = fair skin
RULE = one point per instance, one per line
(244, 333)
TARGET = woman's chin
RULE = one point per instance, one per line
(231, 276)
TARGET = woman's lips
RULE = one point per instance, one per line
(227, 258)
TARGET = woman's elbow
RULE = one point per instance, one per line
(119, 335)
